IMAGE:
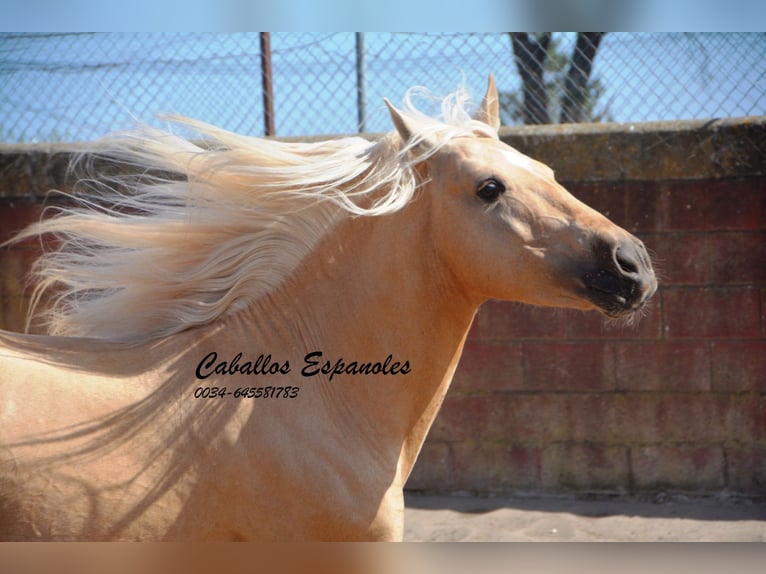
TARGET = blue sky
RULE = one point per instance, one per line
(77, 87)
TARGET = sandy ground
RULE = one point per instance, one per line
(665, 518)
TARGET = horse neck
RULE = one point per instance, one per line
(373, 288)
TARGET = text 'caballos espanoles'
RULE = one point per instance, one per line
(314, 364)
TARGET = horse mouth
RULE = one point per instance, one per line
(619, 297)
(618, 311)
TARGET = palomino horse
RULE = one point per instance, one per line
(254, 345)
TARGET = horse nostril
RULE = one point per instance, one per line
(627, 256)
(626, 265)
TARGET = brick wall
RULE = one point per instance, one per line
(549, 400)
(552, 400)
(15, 262)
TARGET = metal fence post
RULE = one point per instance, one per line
(268, 88)
(361, 90)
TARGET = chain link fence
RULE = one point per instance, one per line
(74, 87)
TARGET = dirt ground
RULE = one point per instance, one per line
(663, 518)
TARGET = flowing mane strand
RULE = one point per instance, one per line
(145, 255)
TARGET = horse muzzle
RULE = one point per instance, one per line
(622, 280)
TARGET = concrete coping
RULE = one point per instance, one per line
(608, 152)
(649, 151)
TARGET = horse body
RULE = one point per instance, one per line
(154, 462)
(107, 440)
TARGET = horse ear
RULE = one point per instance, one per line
(489, 110)
(401, 123)
(409, 127)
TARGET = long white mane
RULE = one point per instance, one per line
(198, 230)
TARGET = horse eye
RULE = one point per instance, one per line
(490, 190)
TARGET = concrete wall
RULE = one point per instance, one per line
(550, 400)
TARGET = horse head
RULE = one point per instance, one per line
(506, 229)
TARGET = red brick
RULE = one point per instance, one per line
(667, 366)
(460, 418)
(590, 467)
(14, 269)
(717, 313)
(762, 206)
(520, 467)
(614, 419)
(687, 205)
(745, 418)
(739, 366)
(526, 418)
(763, 312)
(530, 418)
(689, 468)
(474, 467)
(733, 204)
(712, 258)
(646, 207)
(13, 313)
(488, 367)
(568, 366)
(715, 205)
(514, 417)
(473, 331)
(655, 243)
(737, 258)
(593, 325)
(753, 418)
(433, 469)
(684, 258)
(497, 467)
(693, 206)
(746, 469)
(503, 320)
(630, 418)
(15, 216)
(696, 418)
(607, 198)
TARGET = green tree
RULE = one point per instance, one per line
(554, 84)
